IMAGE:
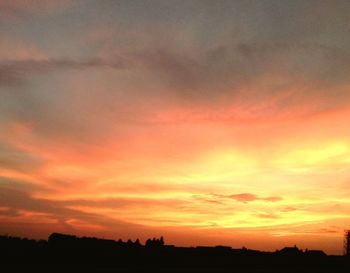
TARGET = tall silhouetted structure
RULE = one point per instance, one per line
(347, 243)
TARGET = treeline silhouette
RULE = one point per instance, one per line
(69, 253)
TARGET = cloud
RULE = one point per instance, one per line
(268, 215)
(17, 196)
(9, 77)
(15, 159)
(263, 70)
(179, 71)
(114, 203)
(11, 9)
(249, 197)
(15, 71)
(272, 199)
(242, 197)
(17, 49)
(258, 57)
(9, 212)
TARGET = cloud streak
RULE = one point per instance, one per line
(12, 72)
(249, 197)
(16, 198)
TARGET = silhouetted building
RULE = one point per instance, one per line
(58, 238)
(347, 243)
(290, 251)
(315, 253)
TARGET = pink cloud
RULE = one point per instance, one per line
(248, 197)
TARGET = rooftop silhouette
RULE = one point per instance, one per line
(63, 253)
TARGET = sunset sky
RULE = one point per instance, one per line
(209, 122)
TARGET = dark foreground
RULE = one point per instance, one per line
(65, 253)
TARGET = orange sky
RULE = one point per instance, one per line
(206, 123)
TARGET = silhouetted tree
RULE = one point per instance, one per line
(137, 242)
(148, 243)
(155, 242)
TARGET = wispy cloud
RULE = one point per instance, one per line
(14, 9)
(12, 72)
(19, 160)
(249, 197)
(17, 196)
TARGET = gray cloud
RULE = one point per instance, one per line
(15, 159)
(15, 71)
(19, 8)
(227, 70)
(216, 72)
(34, 93)
(205, 50)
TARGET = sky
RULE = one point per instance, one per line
(207, 122)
